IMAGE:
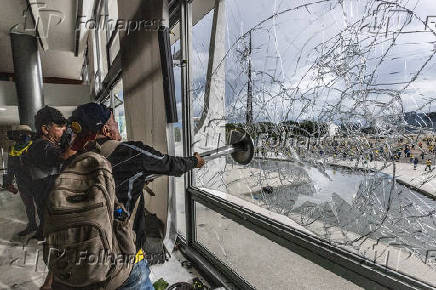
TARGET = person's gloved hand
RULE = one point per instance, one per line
(12, 189)
(200, 160)
(81, 140)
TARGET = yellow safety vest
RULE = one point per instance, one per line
(14, 152)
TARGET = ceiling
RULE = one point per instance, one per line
(57, 56)
(199, 9)
(58, 40)
(9, 114)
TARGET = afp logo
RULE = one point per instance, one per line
(39, 18)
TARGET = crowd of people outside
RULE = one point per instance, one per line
(361, 149)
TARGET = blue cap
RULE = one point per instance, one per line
(91, 116)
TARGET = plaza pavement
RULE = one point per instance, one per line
(420, 180)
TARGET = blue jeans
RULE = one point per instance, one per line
(139, 278)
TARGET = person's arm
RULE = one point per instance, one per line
(154, 162)
(51, 155)
(67, 153)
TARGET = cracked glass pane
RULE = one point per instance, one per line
(338, 97)
(252, 254)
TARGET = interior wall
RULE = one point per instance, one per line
(143, 88)
(64, 97)
(4, 141)
(54, 94)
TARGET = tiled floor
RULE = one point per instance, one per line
(22, 267)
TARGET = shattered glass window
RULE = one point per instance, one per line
(119, 111)
(261, 262)
(339, 99)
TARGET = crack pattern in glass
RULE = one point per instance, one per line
(338, 96)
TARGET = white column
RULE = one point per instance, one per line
(143, 89)
(210, 134)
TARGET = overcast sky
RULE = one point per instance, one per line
(336, 41)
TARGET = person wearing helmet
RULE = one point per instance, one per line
(46, 155)
(22, 136)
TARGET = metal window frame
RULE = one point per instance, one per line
(112, 77)
(174, 7)
(96, 48)
(210, 267)
(114, 73)
(109, 46)
(346, 264)
(185, 49)
(110, 38)
(108, 35)
(355, 268)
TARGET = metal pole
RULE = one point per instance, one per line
(28, 76)
(185, 48)
(112, 101)
(108, 34)
(3, 159)
(249, 116)
(207, 156)
(96, 48)
(4, 170)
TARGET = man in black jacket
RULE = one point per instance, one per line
(132, 161)
(46, 155)
(22, 136)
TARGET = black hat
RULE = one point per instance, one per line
(90, 117)
(48, 115)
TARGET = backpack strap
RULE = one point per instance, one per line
(108, 147)
(133, 214)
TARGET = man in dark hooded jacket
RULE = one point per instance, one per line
(132, 161)
(46, 155)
